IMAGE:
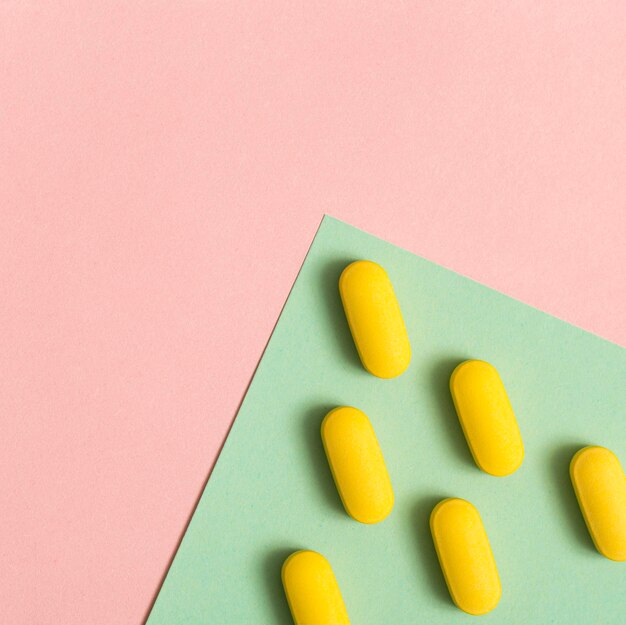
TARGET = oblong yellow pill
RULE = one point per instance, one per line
(357, 464)
(487, 418)
(375, 319)
(600, 486)
(312, 591)
(465, 556)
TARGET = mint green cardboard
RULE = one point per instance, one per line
(271, 491)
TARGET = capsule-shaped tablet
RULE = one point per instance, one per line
(357, 464)
(375, 319)
(487, 418)
(312, 591)
(465, 556)
(600, 486)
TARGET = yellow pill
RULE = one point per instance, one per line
(357, 464)
(375, 319)
(465, 556)
(600, 486)
(486, 416)
(312, 591)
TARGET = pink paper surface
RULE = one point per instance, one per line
(164, 167)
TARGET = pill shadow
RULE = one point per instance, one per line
(329, 291)
(559, 462)
(446, 417)
(312, 422)
(426, 560)
(270, 573)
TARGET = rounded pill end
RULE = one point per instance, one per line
(388, 372)
(484, 607)
(505, 468)
(472, 366)
(587, 452)
(372, 517)
(358, 266)
(299, 560)
(447, 503)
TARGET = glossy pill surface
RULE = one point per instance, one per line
(357, 464)
(487, 418)
(600, 486)
(375, 320)
(312, 591)
(465, 556)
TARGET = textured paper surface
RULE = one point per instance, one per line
(272, 493)
(164, 167)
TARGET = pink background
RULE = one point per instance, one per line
(164, 167)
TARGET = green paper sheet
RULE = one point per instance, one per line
(272, 493)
